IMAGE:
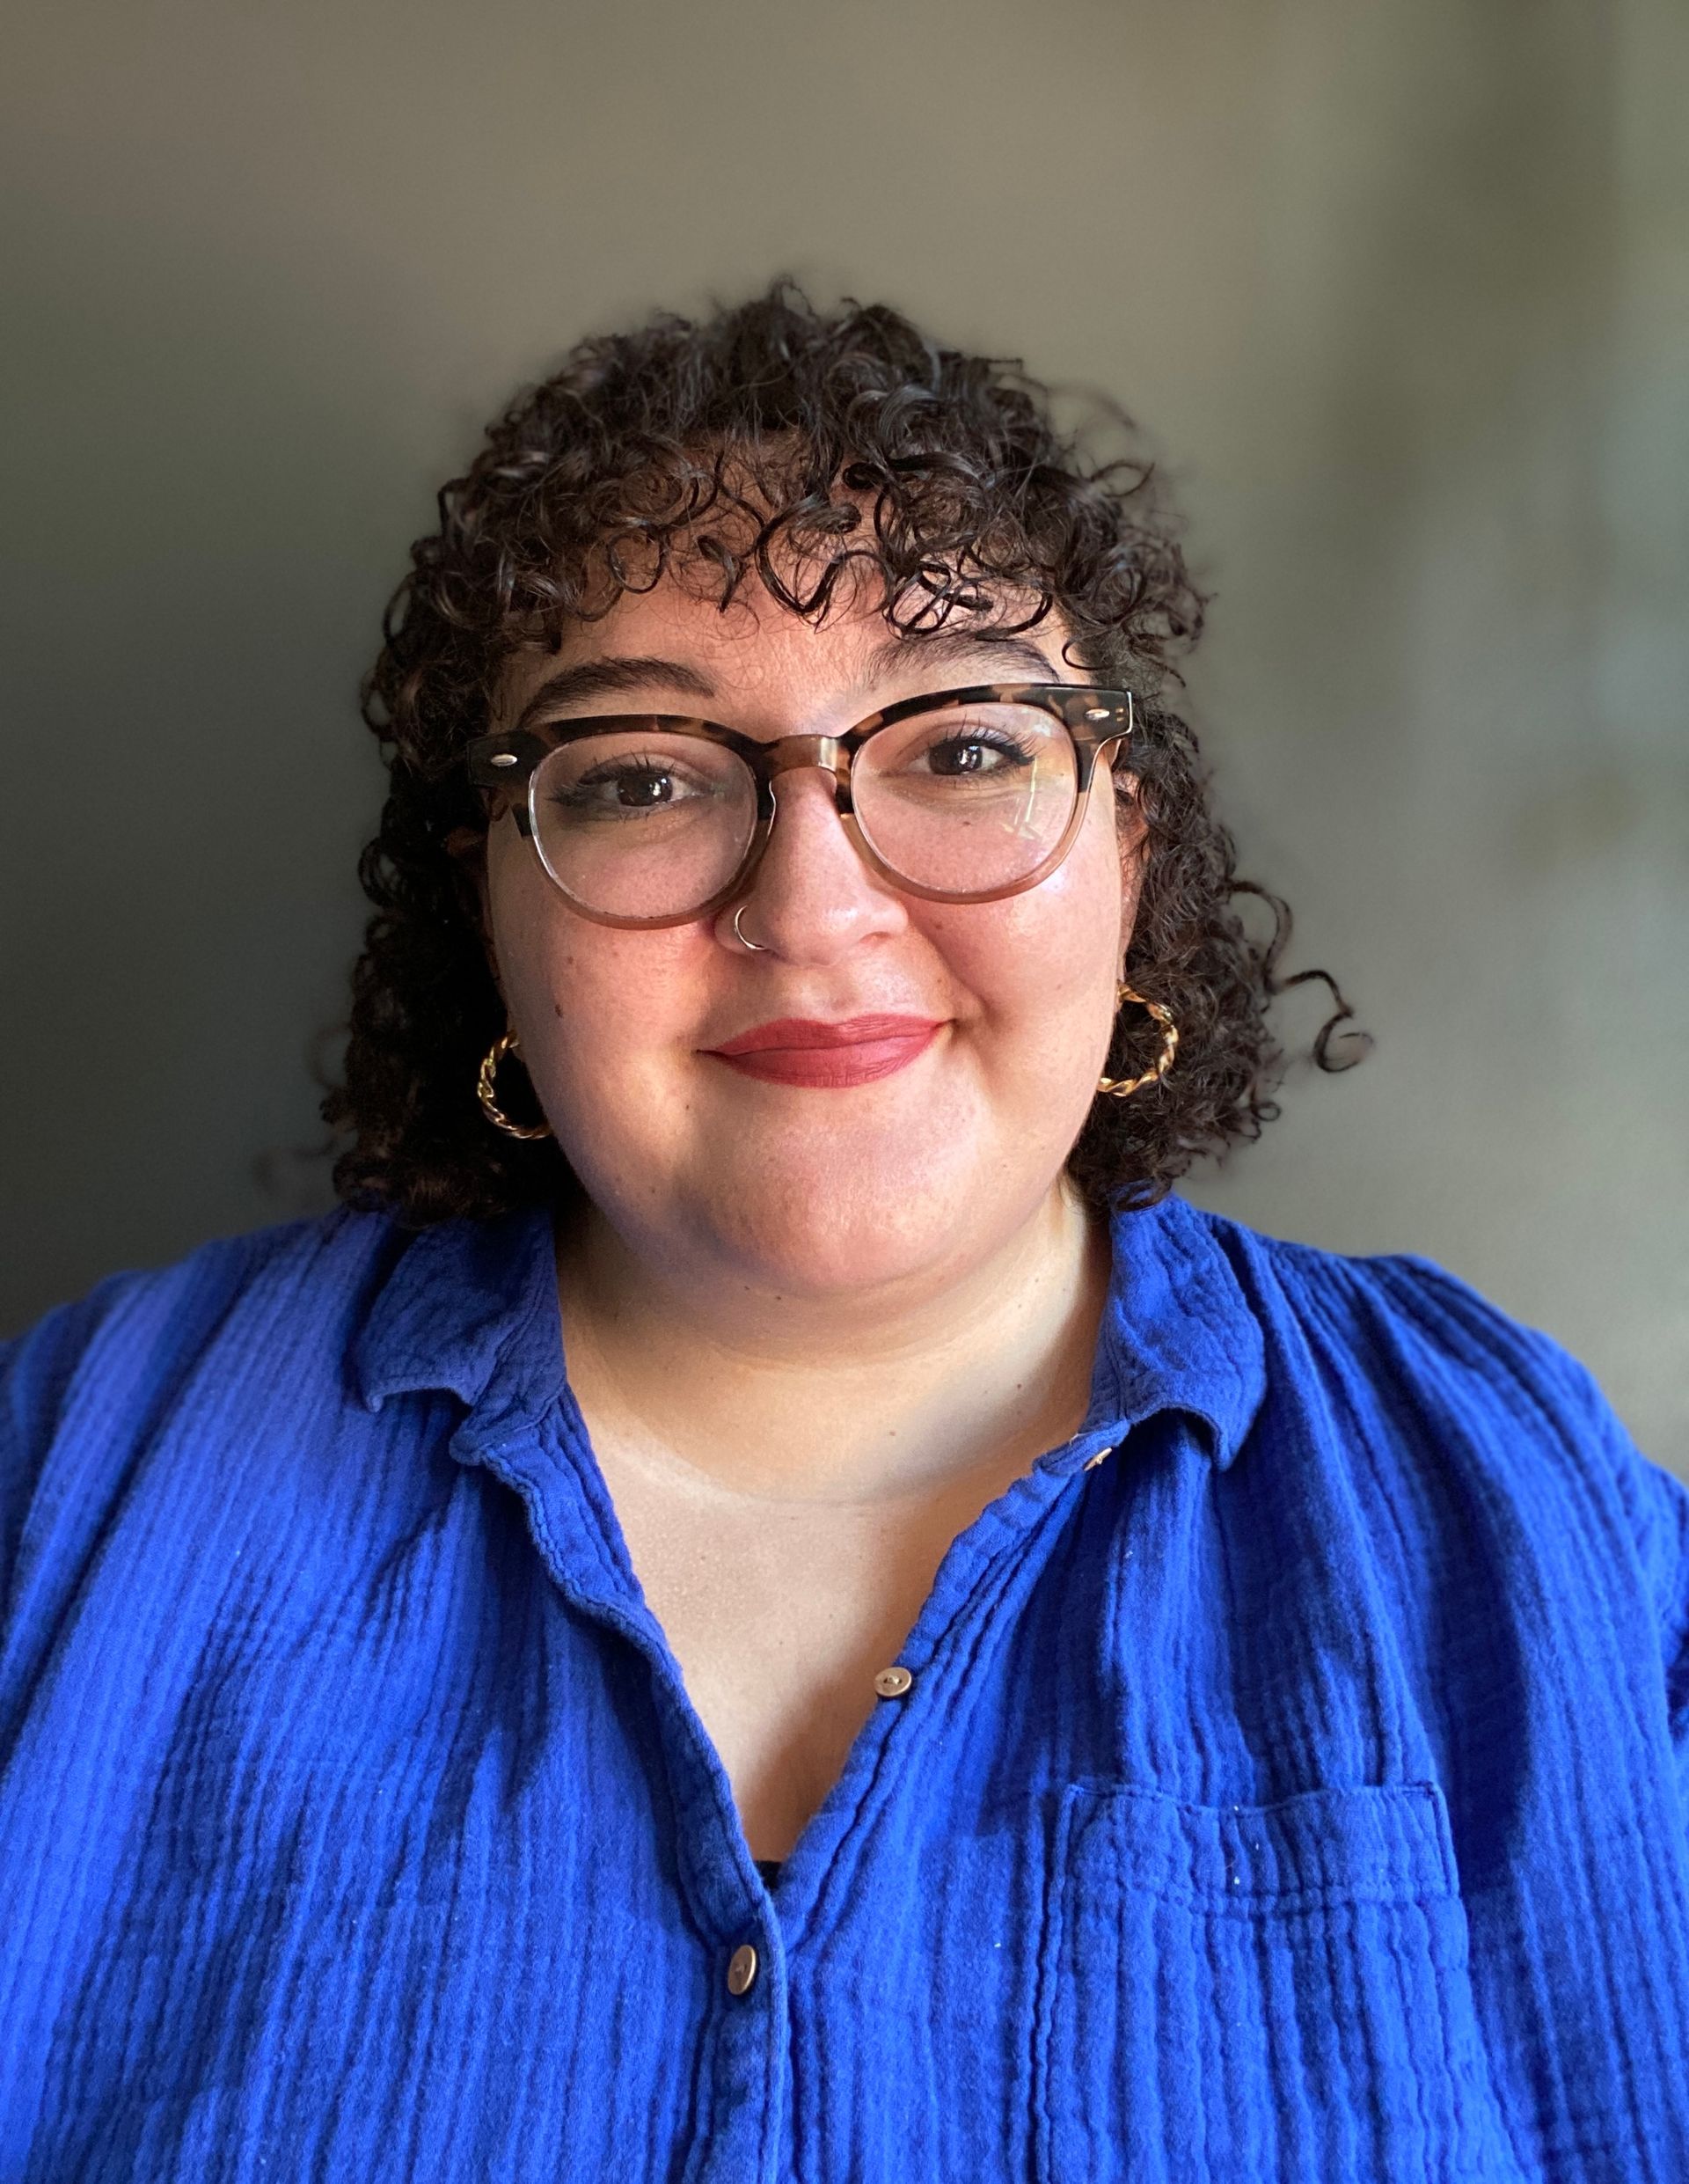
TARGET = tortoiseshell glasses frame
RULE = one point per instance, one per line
(1098, 720)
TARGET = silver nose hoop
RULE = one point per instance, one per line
(759, 948)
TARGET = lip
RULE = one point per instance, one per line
(809, 1031)
(802, 1050)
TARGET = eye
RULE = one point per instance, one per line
(985, 744)
(979, 752)
(625, 786)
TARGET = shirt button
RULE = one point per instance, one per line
(741, 1968)
(893, 1682)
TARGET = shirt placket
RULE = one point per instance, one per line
(740, 2132)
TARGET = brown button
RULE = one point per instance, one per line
(893, 1682)
(741, 1968)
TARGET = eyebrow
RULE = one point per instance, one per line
(948, 646)
(614, 678)
(588, 680)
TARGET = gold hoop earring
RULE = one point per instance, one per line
(1121, 1087)
(486, 1091)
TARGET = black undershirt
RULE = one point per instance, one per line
(769, 1869)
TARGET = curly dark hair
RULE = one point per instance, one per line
(795, 444)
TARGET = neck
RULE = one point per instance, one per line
(750, 1392)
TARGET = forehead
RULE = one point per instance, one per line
(757, 650)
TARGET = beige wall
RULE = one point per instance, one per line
(1400, 290)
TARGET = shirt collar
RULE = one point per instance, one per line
(471, 1305)
(1178, 1332)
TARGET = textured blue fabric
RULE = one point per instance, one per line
(1299, 1792)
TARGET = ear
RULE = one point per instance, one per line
(1132, 834)
(1131, 828)
(467, 847)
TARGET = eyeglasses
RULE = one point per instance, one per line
(654, 818)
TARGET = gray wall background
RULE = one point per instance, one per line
(1400, 292)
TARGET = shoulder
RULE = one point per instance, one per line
(1430, 1384)
(146, 1321)
(80, 1386)
(1401, 1325)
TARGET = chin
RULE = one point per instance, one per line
(832, 1230)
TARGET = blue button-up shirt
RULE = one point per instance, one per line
(1289, 1780)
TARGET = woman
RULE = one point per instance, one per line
(765, 1600)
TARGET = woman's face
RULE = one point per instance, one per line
(812, 1191)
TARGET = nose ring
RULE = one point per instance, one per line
(759, 946)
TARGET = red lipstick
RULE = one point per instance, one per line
(795, 1050)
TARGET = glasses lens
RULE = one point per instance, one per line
(642, 825)
(973, 797)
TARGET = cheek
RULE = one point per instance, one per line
(532, 945)
(586, 999)
(1049, 953)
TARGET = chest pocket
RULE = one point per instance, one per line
(1268, 1991)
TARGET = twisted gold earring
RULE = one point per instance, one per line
(1121, 1087)
(486, 1091)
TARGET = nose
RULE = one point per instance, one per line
(811, 896)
